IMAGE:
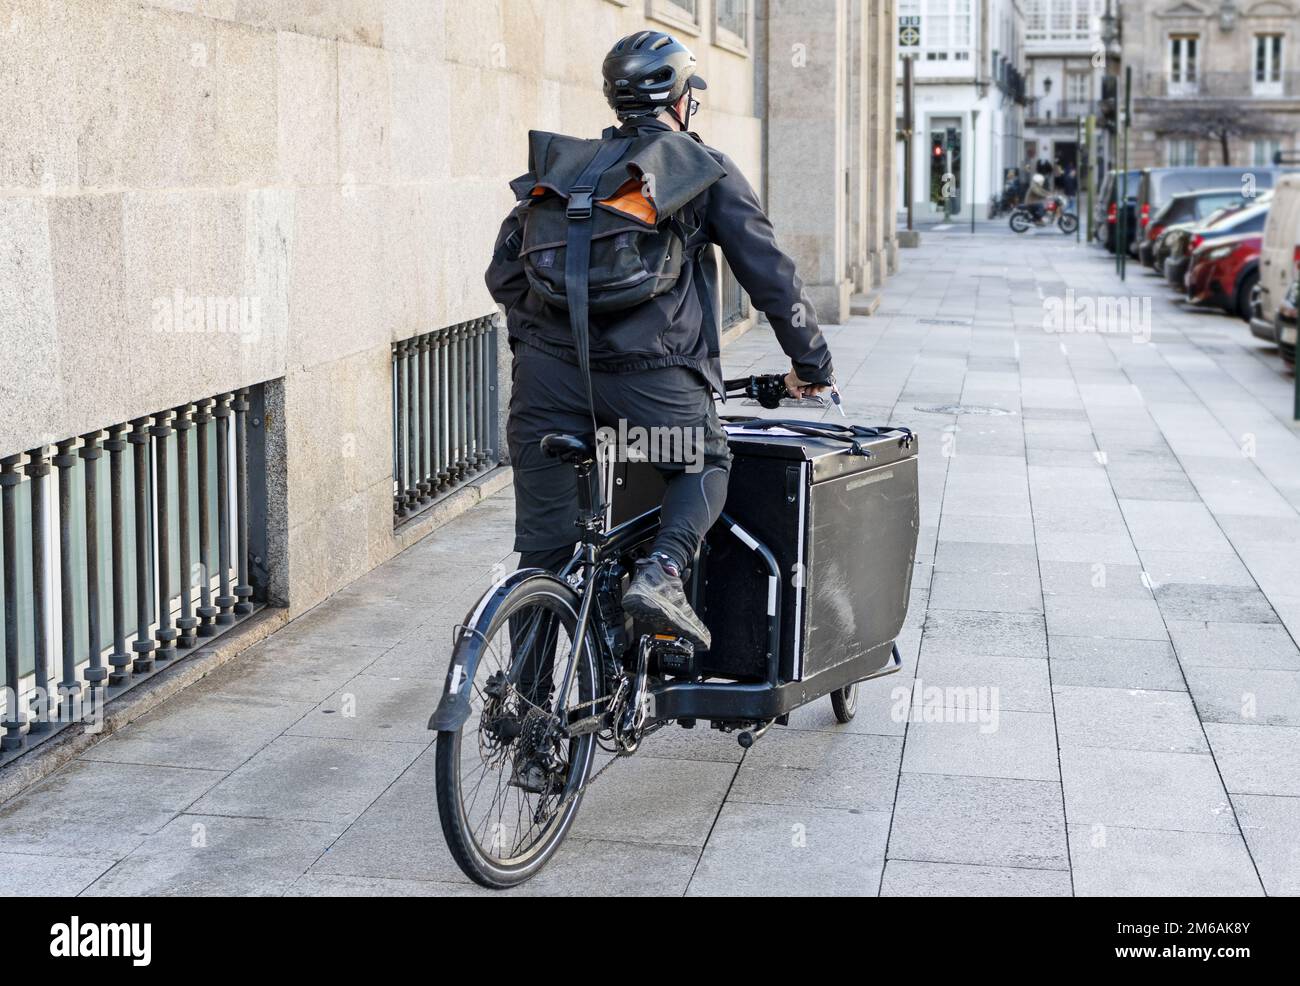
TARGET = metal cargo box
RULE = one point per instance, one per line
(840, 520)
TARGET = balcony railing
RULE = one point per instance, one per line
(1060, 110)
(122, 549)
(1220, 85)
(444, 412)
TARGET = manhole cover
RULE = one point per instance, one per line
(961, 409)
(944, 321)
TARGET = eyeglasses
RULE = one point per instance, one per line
(694, 106)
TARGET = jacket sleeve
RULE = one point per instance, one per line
(505, 277)
(737, 223)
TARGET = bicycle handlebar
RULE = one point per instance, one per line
(767, 388)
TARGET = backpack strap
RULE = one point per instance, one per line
(577, 261)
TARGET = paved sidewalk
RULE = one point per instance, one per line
(1139, 734)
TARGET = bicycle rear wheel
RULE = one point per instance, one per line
(508, 782)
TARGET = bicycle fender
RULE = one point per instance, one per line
(454, 707)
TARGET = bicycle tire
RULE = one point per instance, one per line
(475, 860)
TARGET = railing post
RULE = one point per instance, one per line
(471, 396)
(243, 588)
(187, 622)
(69, 686)
(225, 599)
(412, 425)
(424, 486)
(91, 452)
(453, 405)
(399, 427)
(458, 396)
(14, 720)
(38, 467)
(206, 611)
(143, 644)
(119, 661)
(441, 474)
(166, 634)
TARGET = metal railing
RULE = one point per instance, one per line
(444, 412)
(123, 548)
(1060, 110)
(1220, 85)
(735, 303)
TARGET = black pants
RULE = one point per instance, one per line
(689, 449)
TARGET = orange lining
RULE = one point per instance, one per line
(631, 201)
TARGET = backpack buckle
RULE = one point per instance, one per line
(579, 206)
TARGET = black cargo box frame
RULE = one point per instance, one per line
(748, 701)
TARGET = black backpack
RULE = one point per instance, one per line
(626, 196)
(603, 230)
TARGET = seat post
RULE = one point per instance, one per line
(589, 510)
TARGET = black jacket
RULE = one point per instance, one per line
(680, 327)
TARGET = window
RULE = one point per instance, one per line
(1182, 64)
(1180, 153)
(1061, 20)
(732, 20)
(946, 30)
(682, 14)
(1268, 65)
(1035, 19)
(1078, 91)
(1263, 151)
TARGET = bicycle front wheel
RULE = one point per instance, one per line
(508, 781)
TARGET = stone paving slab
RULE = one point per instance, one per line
(1131, 862)
(1110, 564)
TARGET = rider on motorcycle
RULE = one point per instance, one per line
(1036, 197)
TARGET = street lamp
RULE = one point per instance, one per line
(1110, 29)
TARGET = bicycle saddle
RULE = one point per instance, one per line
(569, 448)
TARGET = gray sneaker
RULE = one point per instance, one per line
(657, 599)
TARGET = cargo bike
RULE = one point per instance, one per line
(803, 583)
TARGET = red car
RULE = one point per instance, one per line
(1223, 272)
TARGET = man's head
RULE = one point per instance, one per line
(649, 72)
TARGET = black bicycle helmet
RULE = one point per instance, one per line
(646, 72)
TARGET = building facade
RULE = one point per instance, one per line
(969, 95)
(1213, 82)
(248, 350)
(1067, 65)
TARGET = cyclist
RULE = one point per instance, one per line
(653, 365)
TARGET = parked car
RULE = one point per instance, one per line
(1184, 210)
(1223, 273)
(1279, 256)
(1156, 186)
(1182, 243)
(1287, 321)
(1106, 212)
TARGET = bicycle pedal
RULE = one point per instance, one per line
(671, 654)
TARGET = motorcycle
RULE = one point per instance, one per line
(1053, 214)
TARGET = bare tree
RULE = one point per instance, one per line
(1217, 120)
